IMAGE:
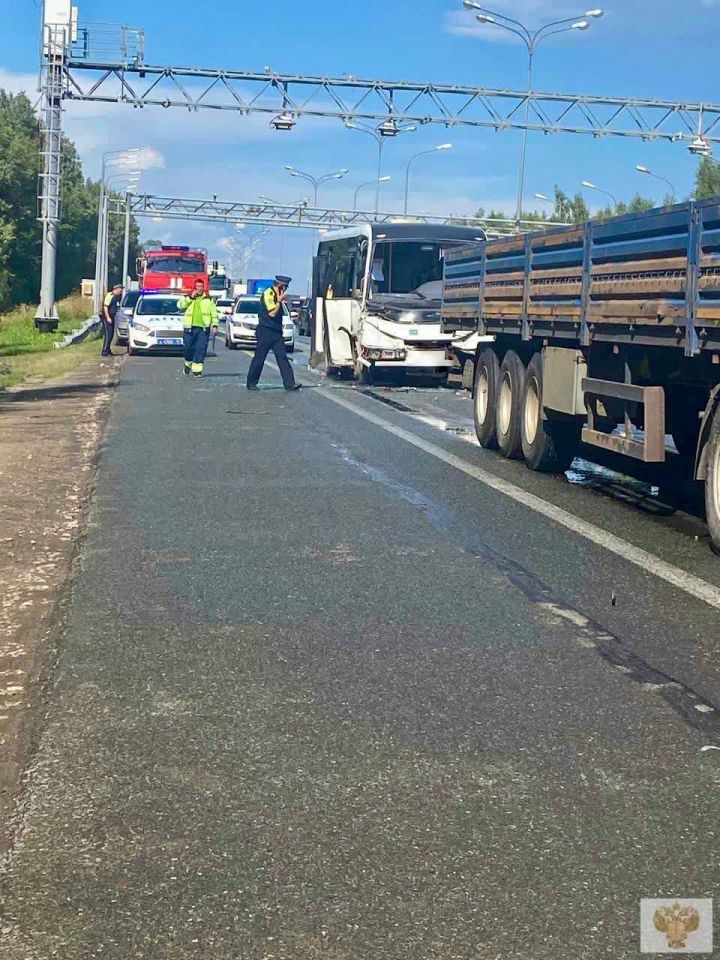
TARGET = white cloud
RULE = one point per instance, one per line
(150, 159)
(19, 83)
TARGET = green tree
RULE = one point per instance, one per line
(707, 179)
(20, 231)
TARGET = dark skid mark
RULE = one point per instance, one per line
(395, 404)
(611, 648)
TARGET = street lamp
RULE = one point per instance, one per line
(315, 181)
(648, 172)
(592, 186)
(541, 196)
(369, 183)
(388, 128)
(111, 158)
(422, 153)
(531, 40)
(303, 202)
(128, 180)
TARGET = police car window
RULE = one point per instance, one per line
(247, 306)
(130, 298)
(163, 306)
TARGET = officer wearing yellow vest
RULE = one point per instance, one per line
(111, 302)
(200, 317)
(270, 336)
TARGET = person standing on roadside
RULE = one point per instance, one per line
(200, 317)
(270, 336)
(109, 312)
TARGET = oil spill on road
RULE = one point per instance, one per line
(694, 709)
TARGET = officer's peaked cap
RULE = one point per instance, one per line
(286, 281)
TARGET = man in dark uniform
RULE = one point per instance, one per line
(109, 311)
(270, 337)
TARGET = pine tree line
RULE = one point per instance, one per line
(574, 209)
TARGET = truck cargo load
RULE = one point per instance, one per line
(607, 334)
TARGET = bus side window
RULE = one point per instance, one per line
(343, 277)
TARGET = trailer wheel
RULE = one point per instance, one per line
(712, 483)
(508, 407)
(545, 445)
(487, 376)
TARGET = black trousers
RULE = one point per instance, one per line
(108, 334)
(268, 340)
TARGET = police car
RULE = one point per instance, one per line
(157, 323)
(125, 312)
(241, 326)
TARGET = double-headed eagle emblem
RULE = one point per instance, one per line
(676, 923)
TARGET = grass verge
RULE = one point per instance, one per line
(26, 354)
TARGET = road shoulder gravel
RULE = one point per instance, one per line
(50, 432)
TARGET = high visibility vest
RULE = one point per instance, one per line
(268, 302)
(200, 312)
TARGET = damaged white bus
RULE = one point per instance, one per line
(376, 299)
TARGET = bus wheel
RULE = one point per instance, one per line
(712, 483)
(545, 444)
(508, 408)
(487, 375)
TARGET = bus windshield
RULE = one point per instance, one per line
(175, 265)
(402, 266)
(218, 283)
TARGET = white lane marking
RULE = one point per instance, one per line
(690, 584)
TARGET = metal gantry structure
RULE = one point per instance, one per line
(129, 80)
(104, 64)
(297, 215)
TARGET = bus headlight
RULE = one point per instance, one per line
(383, 353)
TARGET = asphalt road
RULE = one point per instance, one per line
(334, 682)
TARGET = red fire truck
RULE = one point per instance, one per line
(172, 268)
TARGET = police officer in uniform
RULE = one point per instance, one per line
(109, 312)
(269, 336)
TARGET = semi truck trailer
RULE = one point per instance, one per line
(605, 334)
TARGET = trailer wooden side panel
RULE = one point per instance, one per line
(646, 277)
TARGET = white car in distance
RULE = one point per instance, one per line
(157, 324)
(225, 307)
(241, 326)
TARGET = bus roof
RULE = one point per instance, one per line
(407, 231)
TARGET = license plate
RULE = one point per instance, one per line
(169, 343)
(413, 332)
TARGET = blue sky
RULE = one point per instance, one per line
(627, 52)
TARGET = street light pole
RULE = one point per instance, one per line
(646, 170)
(131, 181)
(422, 153)
(591, 186)
(315, 182)
(110, 158)
(388, 128)
(531, 40)
(368, 183)
(126, 242)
